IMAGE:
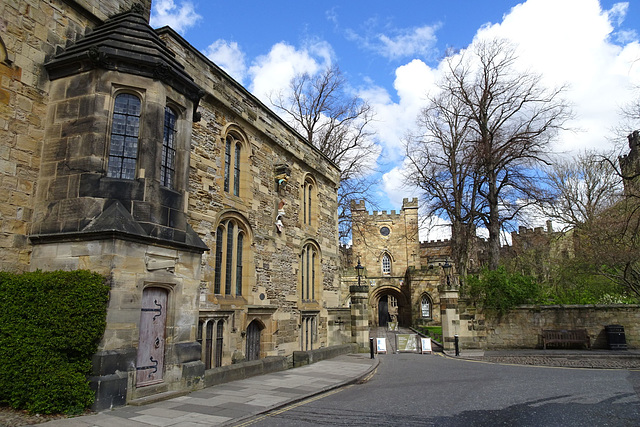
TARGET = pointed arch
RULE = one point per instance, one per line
(386, 260)
(235, 149)
(309, 201)
(254, 339)
(426, 306)
(233, 259)
(310, 271)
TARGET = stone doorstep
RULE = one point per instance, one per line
(159, 397)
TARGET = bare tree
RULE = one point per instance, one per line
(338, 124)
(583, 187)
(512, 119)
(439, 166)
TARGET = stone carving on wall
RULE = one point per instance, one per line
(160, 262)
(279, 216)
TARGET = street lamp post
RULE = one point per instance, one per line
(359, 270)
(446, 267)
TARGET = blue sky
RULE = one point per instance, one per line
(390, 52)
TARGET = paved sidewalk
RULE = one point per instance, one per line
(231, 402)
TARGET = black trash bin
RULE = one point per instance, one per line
(615, 337)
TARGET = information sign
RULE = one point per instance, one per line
(407, 342)
(425, 345)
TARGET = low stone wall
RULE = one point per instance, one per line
(338, 326)
(522, 326)
(301, 358)
(243, 370)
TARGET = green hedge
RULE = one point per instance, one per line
(502, 290)
(50, 326)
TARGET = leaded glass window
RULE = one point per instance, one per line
(167, 168)
(125, 130)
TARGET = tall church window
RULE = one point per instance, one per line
(425, 307)
(218, 260)
(308, 201)
(308, 272)
(167, 167)
(125, 130)
(386, 264)
(232, 165)
(230, 240)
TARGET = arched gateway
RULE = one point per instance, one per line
(388, 303)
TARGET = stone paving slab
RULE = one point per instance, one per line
(234, 401)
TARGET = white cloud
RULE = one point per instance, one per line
(167, 12)
(618, 12)
(577, 47)
(229, 57)
(415, 42)
(271, 73)
(398, 43)
(394, 119)
(395, 185)
(570, 42)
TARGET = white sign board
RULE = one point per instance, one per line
(426, 345)
(381, 345)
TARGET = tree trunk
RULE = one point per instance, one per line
(493, 223)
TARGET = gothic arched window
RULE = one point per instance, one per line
(125, 130)
(309, 269)
(229, 251)
(425, 307)
(232, 165)
(386, 264)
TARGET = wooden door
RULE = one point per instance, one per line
(153, 319)
(253, 341)
(383, 311)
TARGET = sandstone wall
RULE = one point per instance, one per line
(522, 326)
(273, 270)
(30, 33)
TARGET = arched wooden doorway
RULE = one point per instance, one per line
(153, 321)
(254, 331)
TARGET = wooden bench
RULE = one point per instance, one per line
(565, 337)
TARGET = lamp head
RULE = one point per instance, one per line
(359, 268)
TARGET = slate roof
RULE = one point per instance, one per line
(125, 43)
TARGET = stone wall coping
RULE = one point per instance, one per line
(576, 306)
(306, 357)
(242, 370)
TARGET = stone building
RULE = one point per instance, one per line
(403, 275)
(127, 152)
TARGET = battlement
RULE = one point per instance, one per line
(384, 215)
(523, 231)
(432, 243)
(410, 204)
(360, 206)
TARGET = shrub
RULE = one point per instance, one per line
(50, 326)
(501, 290)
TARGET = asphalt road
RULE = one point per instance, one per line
(431, 390)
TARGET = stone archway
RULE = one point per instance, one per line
(382, 300)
